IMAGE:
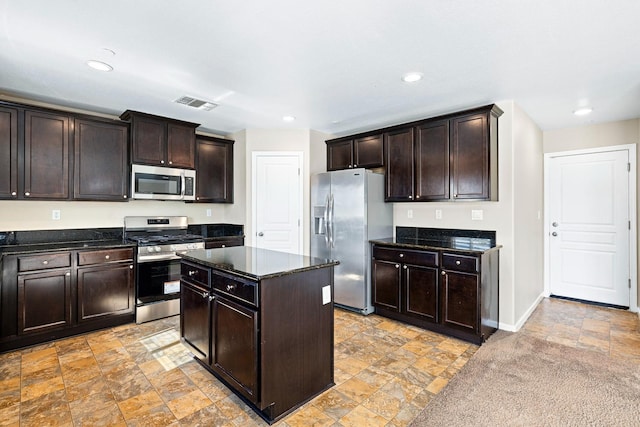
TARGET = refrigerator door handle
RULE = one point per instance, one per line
(326, 221)
(331, 239)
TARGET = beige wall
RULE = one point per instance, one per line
(594, 136)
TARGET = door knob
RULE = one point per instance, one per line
(554, 234)
(261, 234)
(555, 224)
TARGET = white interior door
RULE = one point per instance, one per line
(277, 196)
(589, 227)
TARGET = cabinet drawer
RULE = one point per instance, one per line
(44, 261)
(469, 264)
(245, 290)
(195, 273)
(408, 256)
(102, 256)
(223, 243)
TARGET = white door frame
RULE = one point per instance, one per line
(633, 253)
(254, 204)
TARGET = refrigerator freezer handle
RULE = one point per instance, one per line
(326, 221)
(331, 239)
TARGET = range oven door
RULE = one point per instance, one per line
(157, 289)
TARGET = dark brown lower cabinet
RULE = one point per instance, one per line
(51, 295)
(105, 290)
(448, 292)
(44, 301)
(234, 346)
(194, 321)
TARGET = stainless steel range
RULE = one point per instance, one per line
(159, 239)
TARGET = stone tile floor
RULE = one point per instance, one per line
(385, 372)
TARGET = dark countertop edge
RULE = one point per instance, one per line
(435, 248)
(196, 260)
(63, 246)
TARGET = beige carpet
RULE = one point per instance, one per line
(518, 380)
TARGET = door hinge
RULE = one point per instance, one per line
(628, 167)
(298, 171)
(629, 283)
(629, 223)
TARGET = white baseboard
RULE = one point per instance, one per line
(520, 323)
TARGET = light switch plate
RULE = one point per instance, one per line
(438, 213)
(410, 213)
(477, 214)
(55, 214)
(326, 295)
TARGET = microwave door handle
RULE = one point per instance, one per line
(182, 178)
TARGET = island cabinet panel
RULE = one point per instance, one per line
(270, 335)
(455, 293)
(8, 153)
(46, 155)
(101, 166)
(234, 346)
(194, 321)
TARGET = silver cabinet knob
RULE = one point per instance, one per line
(401, 255)
(192, 272)
(27, 194)
(404, 267)
(397, 265)
(131, 267)
(444, 273)
(107, 257)
(67, 274)
(457, 262)
(162, 162)
(124, 196)
(170, 162)
(13, 193)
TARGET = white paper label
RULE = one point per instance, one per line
(326, 295)
(172, 287)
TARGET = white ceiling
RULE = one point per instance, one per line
(333, 64)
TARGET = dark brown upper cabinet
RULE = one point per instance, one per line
(398, 164)
(432, 161)
(101, 168)
(8, 153)
(362, 152)
(46, 155)
(214, 170)
(161, 141)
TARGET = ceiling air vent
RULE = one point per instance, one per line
(196, 103)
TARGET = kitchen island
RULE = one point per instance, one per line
(262, 322)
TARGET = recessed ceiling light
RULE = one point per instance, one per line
(583, 111)
(99, 65)
(412, 77)
(288, 118)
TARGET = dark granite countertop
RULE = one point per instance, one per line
(63, 246)
(471, 241)
(255, 263)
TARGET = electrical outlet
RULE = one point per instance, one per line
(438, 213)
(410, 213)
(208, 212)
(477, 214)
(55, 214)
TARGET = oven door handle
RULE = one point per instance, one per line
(160, 257)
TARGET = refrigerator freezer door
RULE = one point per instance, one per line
(348, 224)
(320, 194)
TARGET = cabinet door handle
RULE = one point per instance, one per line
(107, 257)
(230, 287)
(404, 266)
(13, 193)
(131, 267)
(124, 196)
(27, 194)
(170, 162)
(68, 274)
(458, 262)
(444, 273)
(45, 262)
(205, 294)
(397, 265)
(401, 255)
(192, 273)
(410, 197)
(211, 298)
(162, 162)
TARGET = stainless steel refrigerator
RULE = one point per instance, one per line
(347, 210)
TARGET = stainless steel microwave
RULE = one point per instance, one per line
(160, 183)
